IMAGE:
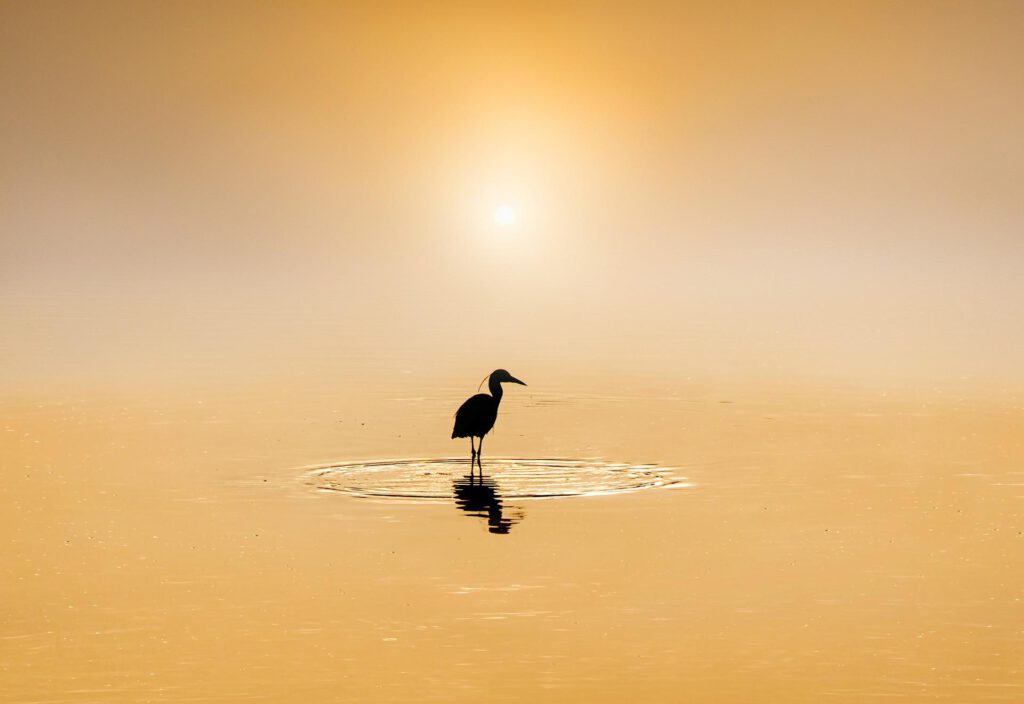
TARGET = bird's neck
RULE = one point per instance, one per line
(495, 386)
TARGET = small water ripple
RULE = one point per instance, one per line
(519, 479)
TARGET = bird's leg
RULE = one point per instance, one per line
(472, 448)
(478, 451)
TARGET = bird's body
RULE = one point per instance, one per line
(475, 418)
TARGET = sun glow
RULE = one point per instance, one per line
(504, 215)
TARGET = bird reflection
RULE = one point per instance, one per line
(478, 495)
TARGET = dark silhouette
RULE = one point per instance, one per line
(478, 496)
(476, 416)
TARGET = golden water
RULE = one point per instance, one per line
(758, 544)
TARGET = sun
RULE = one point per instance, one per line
(504, 215)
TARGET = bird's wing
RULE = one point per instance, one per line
(472, 408)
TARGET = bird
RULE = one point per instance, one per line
(476, 416)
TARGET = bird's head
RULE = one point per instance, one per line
(502, 376)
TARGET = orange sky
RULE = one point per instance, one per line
(784, 188)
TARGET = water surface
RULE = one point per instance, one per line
(699, 541)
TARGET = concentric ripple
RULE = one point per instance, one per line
(515, 479)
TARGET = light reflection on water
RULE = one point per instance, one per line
(431, 479)
(485, 493)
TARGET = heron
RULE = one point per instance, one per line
(476, 416)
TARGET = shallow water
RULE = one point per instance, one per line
(703, 542)
(486, 492)
(440, 479)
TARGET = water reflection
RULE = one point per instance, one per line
(478, 495)
(413, 480)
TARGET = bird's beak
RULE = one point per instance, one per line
(516, 381)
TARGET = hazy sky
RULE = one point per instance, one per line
(789, 188)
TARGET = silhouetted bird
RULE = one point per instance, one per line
(476, 416)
